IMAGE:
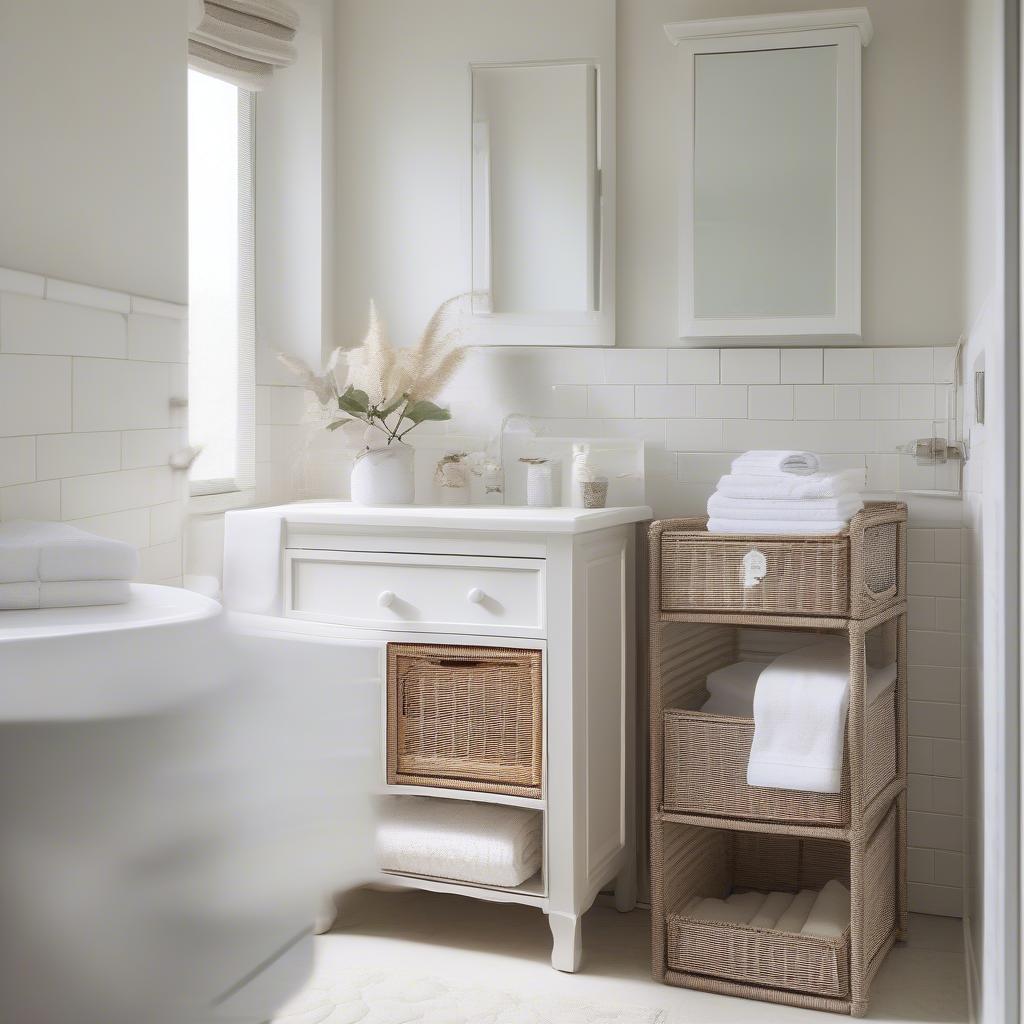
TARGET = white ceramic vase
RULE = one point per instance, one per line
(384, 476)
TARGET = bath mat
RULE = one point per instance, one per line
(361, 996)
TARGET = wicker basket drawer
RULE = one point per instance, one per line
(714, 863)
(857, 573)
(706, 769)
(465, 718)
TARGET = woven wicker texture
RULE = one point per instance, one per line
(757, 956)
(855, 573)
(706, 849)
(465, 718)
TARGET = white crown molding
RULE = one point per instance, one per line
(758, 24)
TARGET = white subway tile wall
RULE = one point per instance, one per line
(86, 420)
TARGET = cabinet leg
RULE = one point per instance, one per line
(326, 916)
(567, 941)
(625, 889)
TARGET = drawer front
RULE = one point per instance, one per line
(437, 593)
(791, 577)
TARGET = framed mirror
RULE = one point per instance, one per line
(541, 214)
(770, 197)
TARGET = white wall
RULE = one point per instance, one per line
(92, 118)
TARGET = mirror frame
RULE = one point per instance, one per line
(849, 31)
(589, 328)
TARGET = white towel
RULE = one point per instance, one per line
(772, 463)
(58, 552)
(737, 909)
(784, 509)
(786, 485)
(63, 594)
(830, 914)
(800, 719)
(774, 906)
(778, 527)
(731, 689)
(485, 844)
(794, 916)
(253, 562)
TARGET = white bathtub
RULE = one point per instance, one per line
(154, 823)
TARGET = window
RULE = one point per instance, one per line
(221, 372)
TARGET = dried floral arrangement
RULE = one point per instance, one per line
(389, 390)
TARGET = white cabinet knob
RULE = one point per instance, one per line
(475, 596)
(386, 598)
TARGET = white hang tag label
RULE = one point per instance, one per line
(755, 568)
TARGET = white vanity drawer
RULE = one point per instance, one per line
(430, 593)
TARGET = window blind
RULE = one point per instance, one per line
(243, 41)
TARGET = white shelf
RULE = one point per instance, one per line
(533, 803)
(531, 892)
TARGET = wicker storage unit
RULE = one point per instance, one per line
(856, 573)
(466, 718)
(716, 863)
(711, 834)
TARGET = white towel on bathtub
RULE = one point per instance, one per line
(830, 913)
(799, 509)
(787, 485)
(253, 560)
(58, 552)
(484, 844)
(63, 594)
(800, 719)
(778, 527)
(772, 463)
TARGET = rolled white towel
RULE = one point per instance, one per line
(731, 689)
(774, 906)
(788, 485)
(802, 509)
(829, 916)
(778, 527)
(793, 917)
(737, 909)
(772, 463)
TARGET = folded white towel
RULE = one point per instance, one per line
(63, 594)
(739, 908)
(800, 719)
(774, 906)
(784, 509)
(787, 485)
(793, 917)
(830, 914)
(772, 463)
(58, 552)
(778, 527)
(731, 689)
(486, 844)
(253, 563)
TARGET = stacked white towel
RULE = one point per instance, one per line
(485, 844)
(54, 565)
(783, 493)
(825, 913)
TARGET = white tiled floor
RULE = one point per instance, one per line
(509, 946)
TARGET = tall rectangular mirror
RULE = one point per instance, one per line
(770, 199)
(539, 212)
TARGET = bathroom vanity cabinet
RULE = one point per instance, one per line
(557, 586)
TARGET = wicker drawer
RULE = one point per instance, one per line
(717, 863)
(706, 769)
(466, 718)
(857, 573)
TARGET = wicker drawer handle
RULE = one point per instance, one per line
(386, 598)
(755, 568)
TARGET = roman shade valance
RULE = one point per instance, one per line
(242, 41)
